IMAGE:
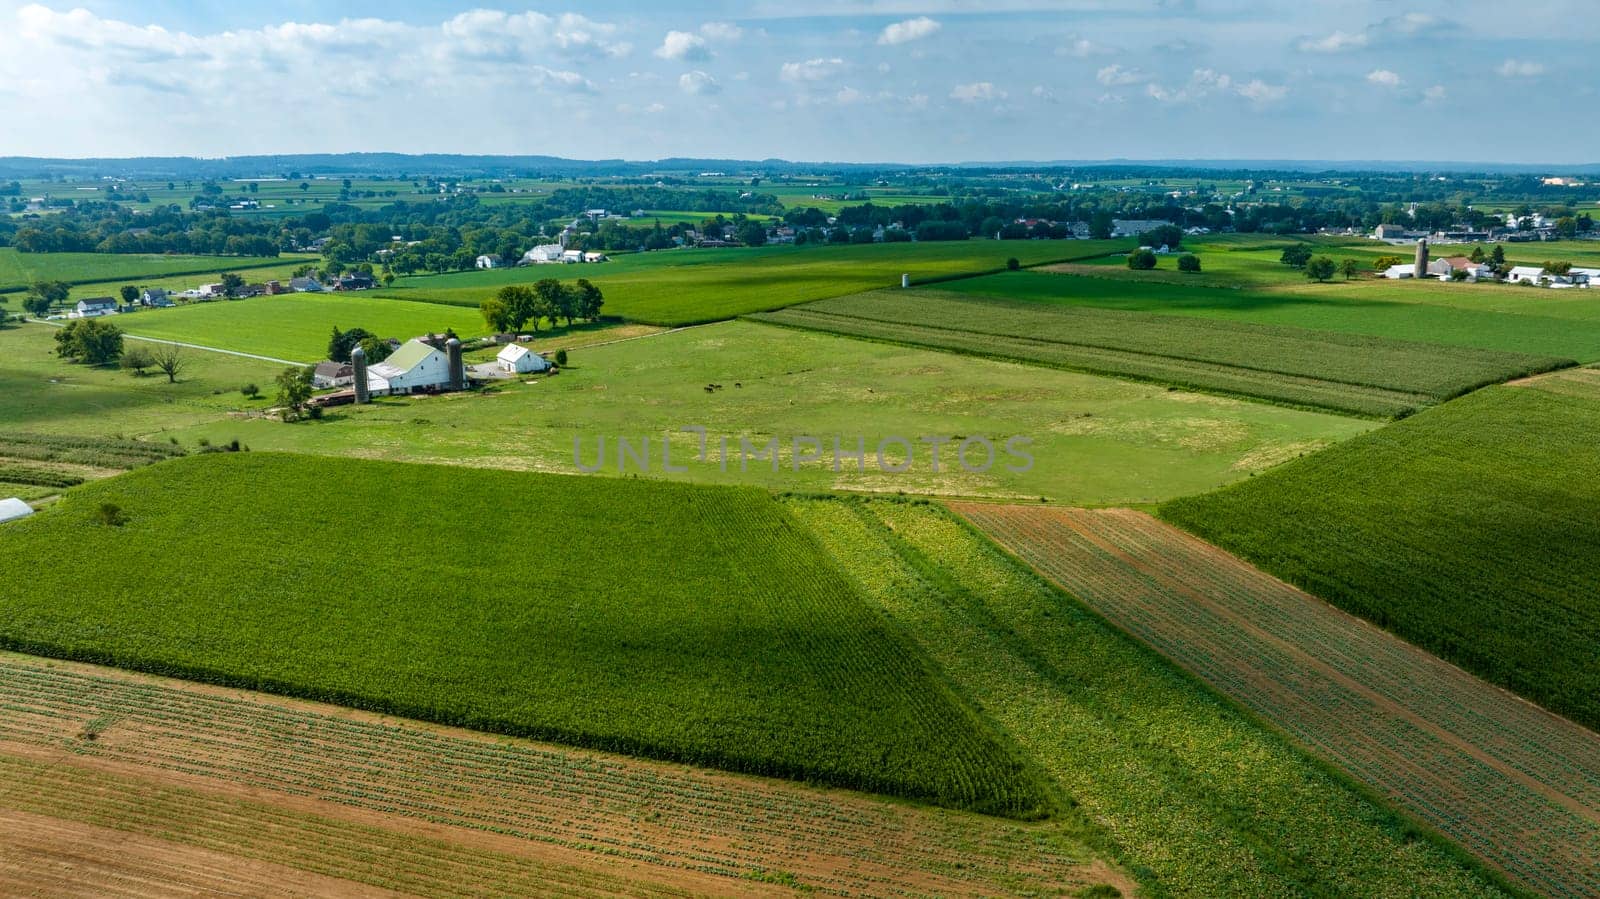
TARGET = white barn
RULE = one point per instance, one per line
(522, 360)
(415, 366)
(542, 254)
(13, 508)
(1396, 272)
(487, 261)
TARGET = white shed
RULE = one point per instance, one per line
(1395, 272)
(13, 508)
(522, 360)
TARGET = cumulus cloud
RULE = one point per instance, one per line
(1203, 83)
(909, 30)
(1434, 94)
(1520, 68)
(977, 92)
(1383, 78)
(698, 82)
(721, 31)
(1083, 48)
(811, 70)
(1117, 76)
(1337, 42)
(683, 45)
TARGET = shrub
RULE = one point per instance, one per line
(1189, 262)
(561, 358)
(250, 390)
(1013, 264)
(110, 514)
(1142, 260)
(137, 360)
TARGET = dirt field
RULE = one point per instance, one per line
(1509, 781)
(122, 784)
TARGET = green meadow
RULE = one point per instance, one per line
(19, 269)
(296, 326)
(678, 287)
(1095, 440)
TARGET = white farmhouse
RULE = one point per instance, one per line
(94, 307)
(415, 366)
(521, 360)
(1444, 268)
(570, 256)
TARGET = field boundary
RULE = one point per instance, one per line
(1508, 780)
(192, 346)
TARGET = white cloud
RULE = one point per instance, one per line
(1258, 91)
(726, 32)
(909, 30)
(1043, 93)
(1337, 42)
(977, 92)
(1383, 78)
(698, 82)
(1205, 82)
(1082, 48)
(848, 95)
(1520, 68)
(1434, 94)
(683, 45)
(812, 69)
(1116, 75)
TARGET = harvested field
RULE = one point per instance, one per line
(209, 768)
(1509, 781)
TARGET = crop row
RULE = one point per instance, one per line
(1511, 783)
(37, 475)
(1469, 530)
(105, 452)
(1361, 374)
(649, 813)
(680, 622)
(1187, 790)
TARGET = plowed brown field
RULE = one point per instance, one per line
(1511, 782)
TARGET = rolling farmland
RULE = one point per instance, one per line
(1095, 440)
(296, 326)
(1198, 797)
(19, 269)
(1357, 375)
(726, 639)
(1469, 530)
(252, 779)
(679, 287)
(1509, 781)
(1559, 323)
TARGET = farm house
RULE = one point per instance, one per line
(415, 366)
(12, 508)
(522, 360)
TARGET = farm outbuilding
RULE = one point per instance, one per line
(13, 508)
(415, 366)
(522, 360)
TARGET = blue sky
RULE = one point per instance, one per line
(844, 80)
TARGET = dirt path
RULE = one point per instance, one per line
(523, 812)
(1510, 781)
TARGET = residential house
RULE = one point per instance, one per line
(571, 256)
(1135, 227)
(155, 296)
(94, 307)
(521, 360)
(1388, 232)
(415, 366)
(354, 282)
(328, 375)
(1445, 267)
(1526, 274)
(275, 288)
(250, 290)
(306, 285)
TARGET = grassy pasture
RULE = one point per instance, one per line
(40, 392)
(1193, 795)
(1469, 530)
(18, 269)
(1096, 440)
(686, 623)
(296, 326)
(676, 287)
(1354, 374)
(1564, 324)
